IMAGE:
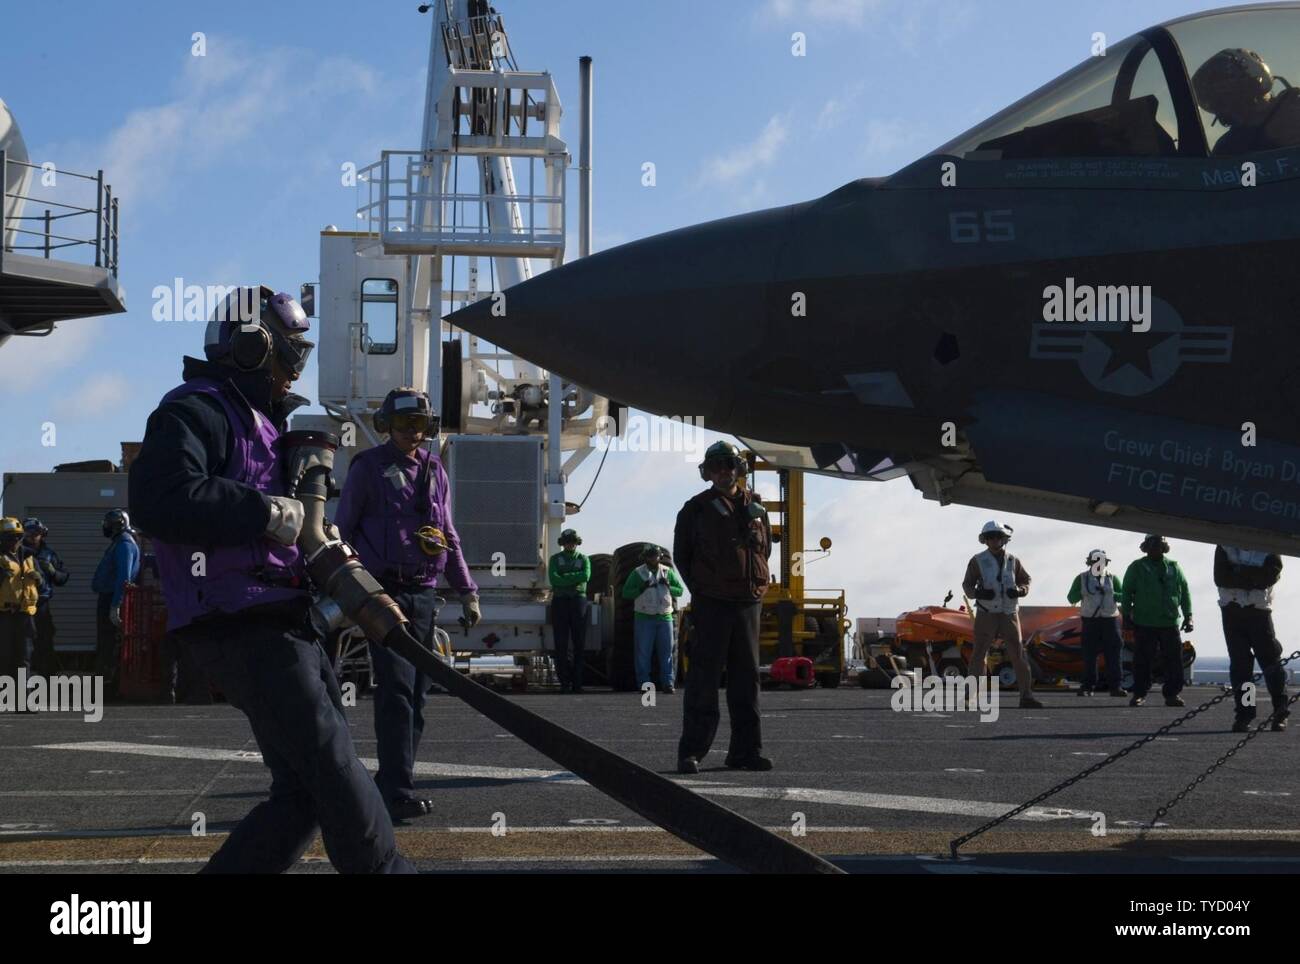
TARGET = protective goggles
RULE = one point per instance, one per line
(720, 462)
(414, 422)
(291, 345)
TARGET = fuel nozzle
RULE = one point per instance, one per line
(346, 586)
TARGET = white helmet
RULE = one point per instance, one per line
(991, 528)
(1097, 560)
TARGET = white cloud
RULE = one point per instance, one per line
(759, 153)
(886, 136)
(30, 361)
(98, 395)
(850, 12)
(238, 101)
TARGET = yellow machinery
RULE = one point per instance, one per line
(797, 621)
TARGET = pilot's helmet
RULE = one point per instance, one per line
(1232, 84)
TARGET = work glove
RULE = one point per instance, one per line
(1015, 593)
(986, 594)
(471, 613)
(287, 517)
(115, 615)
(1187, 624)
(33, 577)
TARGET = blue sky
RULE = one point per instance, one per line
(227, 167)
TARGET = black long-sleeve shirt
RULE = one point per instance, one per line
(1228, 576)
(175, 491)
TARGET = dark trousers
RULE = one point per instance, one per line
(182, 680)
(724, 636)
(1249, 634)
(284, 683)
(15, 643)
(569, 615)
(1101, 636)
(400, 692)
(1147, 641)
(43, 652)
(107, 639)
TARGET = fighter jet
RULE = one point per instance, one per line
(1083, 308)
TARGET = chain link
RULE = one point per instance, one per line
(1160, 812)
(961, 841)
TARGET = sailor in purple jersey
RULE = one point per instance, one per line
(395, 513)
(208, 487)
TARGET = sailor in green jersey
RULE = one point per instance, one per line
(569, 571)
(1155, 589)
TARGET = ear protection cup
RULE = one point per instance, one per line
(380, 421)
(250, 346)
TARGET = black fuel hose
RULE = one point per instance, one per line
(700, 822)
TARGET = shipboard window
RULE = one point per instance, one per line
(379, 316)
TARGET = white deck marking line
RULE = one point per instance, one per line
(889, 801)
(843, 798)
(95, 793)
(252, 756)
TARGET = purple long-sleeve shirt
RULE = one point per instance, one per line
(387, 498)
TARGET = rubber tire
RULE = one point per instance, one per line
(956, 665)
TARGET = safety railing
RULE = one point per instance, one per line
(90, 227)
(408, 207)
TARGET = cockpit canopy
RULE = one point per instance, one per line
(1212, 84)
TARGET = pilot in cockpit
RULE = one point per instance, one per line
(1236, 86)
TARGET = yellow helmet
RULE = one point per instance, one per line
(9, 526)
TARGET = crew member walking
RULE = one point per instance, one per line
(209, 485)
(997, 582)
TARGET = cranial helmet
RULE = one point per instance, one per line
(254, 325)
(992, 528)
(719, 454)
(115, 521)
(1154, 541)
(406, 401)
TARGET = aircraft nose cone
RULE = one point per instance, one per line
(659, 324)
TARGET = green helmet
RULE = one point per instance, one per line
(569, 536)
(722, 452)
(650, 549)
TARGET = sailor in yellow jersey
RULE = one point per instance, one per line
(19, 590)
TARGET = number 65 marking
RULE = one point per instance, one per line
(964, 226)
